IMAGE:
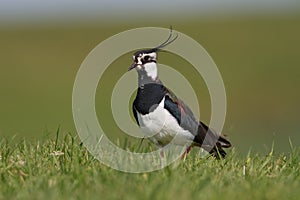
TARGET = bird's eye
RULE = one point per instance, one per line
(146, 58)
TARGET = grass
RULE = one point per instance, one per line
(64, 169)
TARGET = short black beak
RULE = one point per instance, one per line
(132, 66)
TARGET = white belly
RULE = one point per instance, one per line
(161, 127)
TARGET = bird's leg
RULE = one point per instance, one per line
(163, 158)
(188, 149)
(162, 154)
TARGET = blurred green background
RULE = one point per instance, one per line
(257, 55)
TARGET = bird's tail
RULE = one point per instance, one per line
(211, 141)
(217, 151)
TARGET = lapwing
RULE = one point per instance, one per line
(162, 116)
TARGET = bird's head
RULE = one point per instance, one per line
(144, 61)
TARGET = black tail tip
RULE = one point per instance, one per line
(218, 153)
(225, 143)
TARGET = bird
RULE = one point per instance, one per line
(161, 115)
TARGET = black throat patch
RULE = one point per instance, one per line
(148, 97)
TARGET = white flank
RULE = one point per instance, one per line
(162, 127)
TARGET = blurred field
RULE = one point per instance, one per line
(257, 57)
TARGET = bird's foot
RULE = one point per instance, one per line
(183, 156)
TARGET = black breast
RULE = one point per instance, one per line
(148, 97)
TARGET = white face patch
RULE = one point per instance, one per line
(151, 69)
(151, 55)
(147, 62)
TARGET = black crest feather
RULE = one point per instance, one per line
(171, 38)
(168, 41)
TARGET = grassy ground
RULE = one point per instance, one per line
(62, 168)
